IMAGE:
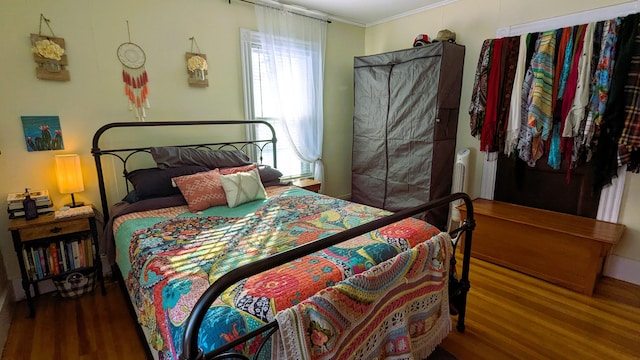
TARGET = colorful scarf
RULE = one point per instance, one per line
(397, 309)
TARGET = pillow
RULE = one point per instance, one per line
(276, 182)
(233, 170)
(268, 174)
(155, 182)
(243, 187)
(131, 197)
(202, 190)
(172, 156)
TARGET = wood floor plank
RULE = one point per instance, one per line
(509, 316)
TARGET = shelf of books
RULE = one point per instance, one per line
(57, 257)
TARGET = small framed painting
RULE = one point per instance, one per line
(42, 133)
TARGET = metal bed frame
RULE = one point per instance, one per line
(191, 351)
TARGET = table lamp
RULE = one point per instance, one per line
(69, 175)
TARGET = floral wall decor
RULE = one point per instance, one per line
(49, 54)
(197, 66)
(42, 133)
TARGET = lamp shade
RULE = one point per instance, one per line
(69, 174)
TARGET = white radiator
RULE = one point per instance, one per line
(460, 184)
(461, 173)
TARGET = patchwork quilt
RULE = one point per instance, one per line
(170, 256)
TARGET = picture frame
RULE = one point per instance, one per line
(42, 133)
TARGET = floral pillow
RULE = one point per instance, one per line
(202, 190)
(243, 187)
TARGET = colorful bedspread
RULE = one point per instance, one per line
(175, 255)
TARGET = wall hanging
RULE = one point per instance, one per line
(134, 76)
(197, 66)
(49, 54)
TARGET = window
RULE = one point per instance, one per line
(261, 104)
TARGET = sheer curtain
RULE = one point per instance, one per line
(297, 45)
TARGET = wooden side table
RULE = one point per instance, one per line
(308, 184)
(47, 232)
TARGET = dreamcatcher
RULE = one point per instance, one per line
(134, 76)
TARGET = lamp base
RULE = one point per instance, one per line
(74, 204)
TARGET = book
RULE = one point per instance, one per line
(88, 251)
(69, 246)
(14, 214)
(27, 265)
(81, 252)
(55, 259)
(15, 198)
(49, 259)
(76, 255)
(43, 262)
(63, 255)
(20, 206)
(36, 261)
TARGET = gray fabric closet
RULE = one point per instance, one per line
(404, 126)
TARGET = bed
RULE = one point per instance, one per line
(280, 272)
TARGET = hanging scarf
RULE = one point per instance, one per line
(629, 142)
(583, 77)
(540, 114)
(510, 54)
(605, 158)
(600, 90)
(489, 126)
(525, 137)
(479, 95)
(515, 109)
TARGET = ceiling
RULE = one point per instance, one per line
(367, 12)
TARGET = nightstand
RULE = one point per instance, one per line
(308, 184)
(47, 247)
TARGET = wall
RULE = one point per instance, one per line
(474, 21)
(6, 308)
(93, 30)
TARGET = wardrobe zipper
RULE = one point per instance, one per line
(386, 139)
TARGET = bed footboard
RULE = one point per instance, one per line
(191, 351)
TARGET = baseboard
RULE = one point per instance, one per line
(622, 268)
(6, 314)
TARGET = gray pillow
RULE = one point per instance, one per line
(268, 174)
(154, 182)
(172, 156)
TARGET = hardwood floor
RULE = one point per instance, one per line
(91, 327)
(514, 316)
(509, 316)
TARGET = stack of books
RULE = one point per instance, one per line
(15, 205)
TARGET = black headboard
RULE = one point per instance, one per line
(124, 154)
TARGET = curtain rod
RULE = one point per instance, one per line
(277, 8)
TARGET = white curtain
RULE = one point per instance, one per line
(296, 44)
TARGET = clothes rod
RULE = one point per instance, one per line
(277, 8)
